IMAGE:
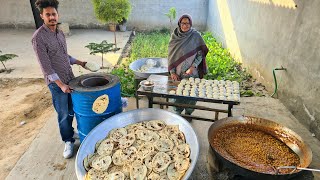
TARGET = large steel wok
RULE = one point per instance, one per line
(290, 138)
(120, 120)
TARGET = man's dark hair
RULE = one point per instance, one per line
(40, 4)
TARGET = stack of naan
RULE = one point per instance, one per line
(148, 150)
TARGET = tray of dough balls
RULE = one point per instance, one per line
(141, 144)
(210, 89)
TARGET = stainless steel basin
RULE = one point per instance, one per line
(161, 67)
(130, 117)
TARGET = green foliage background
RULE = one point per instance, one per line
(113, 11)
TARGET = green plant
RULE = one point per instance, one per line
(101, 48)
(150, 44)
(171, 15)
(126, 79)
(123, 21)
(247, 93)
(111, 11)
(221, 64)
(6, 57)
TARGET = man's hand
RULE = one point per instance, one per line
(83, 64)
(64, 88)
(175, 77)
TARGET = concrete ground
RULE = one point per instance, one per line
(43, 159)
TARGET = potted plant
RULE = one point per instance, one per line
(112, 11)
(123, 25)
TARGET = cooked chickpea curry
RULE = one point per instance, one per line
(254, 149)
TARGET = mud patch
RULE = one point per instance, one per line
(25, 106)
(60, 167)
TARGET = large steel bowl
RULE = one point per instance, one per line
(131, 117)
(162, 63)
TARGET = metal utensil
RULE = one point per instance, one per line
(134, 116)
(161, 62)
(295, 168)
(145, 86)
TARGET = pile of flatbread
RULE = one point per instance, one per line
(148, 150)
(212, 89)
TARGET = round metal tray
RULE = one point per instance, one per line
(131, 117)
(136, 65)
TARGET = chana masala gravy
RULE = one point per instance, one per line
(254, 149)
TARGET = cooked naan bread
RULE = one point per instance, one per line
(100, 105)
(149, 150)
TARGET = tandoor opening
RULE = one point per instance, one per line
(94, 82)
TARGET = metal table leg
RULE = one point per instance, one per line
(137, 81)
(150, 101)
(136, 94)
(230, 106)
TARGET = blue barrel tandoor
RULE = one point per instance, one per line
(86, 89)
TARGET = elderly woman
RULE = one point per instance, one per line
(187, 53)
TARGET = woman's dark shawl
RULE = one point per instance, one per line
(184, 45)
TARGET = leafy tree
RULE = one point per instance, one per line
(111, 11)
(172, 16)
(102, 48)
(6, 57)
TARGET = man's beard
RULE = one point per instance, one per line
(53, 21)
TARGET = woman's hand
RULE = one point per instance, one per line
(175, 77)
(190, 70)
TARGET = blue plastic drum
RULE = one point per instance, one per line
(88, 89)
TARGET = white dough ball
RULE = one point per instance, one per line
(230, 98)
(222, 82)
(222, 97)
(172, 92)
(193, 94)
